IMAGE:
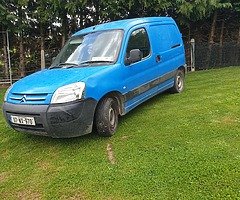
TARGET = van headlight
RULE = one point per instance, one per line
(68, 93)
(6, 93)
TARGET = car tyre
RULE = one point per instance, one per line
(106, 117)
(178, 86)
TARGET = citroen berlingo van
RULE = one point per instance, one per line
(102, 72)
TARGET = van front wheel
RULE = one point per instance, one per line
(178, 82)
(106, 118)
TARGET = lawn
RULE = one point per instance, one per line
(174, 146)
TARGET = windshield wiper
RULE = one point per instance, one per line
(95, 61)
(60, 65)
(70, 65)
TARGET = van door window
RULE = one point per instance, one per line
(139, 40)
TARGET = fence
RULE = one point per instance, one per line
(201, 56)
(5, 59)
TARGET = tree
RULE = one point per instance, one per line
(5, 23)
(42, 16)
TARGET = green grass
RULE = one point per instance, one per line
(181, 146)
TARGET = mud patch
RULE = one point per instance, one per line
(110, 154)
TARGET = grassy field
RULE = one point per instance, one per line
(181, 146)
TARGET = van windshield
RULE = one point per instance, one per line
(96, 47)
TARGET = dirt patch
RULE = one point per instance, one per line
(29, 195)
(110, 154)
(5, 154)
(77, 197)
(228, 120)
(3, 177)
(124, 137)
(43, 165)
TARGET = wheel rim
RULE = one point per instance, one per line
(112, 116)
(179, 82)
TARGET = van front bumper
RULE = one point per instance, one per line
(55, 120)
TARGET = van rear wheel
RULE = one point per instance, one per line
(106, 117)
(178, 86)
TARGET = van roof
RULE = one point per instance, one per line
(123, 24)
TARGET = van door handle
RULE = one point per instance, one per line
(158, 58)
(176, 45)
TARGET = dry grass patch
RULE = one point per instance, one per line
(28, 195)
(44, 165)
(4, 176)
(229, 120)
(110, 153)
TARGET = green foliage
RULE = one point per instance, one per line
(236, 6)
(42, 10)
(14, 15)
(22, 13)
(5, 17)
(199, 9)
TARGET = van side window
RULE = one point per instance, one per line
(139, 40)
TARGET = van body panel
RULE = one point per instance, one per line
(162, 54)
(49, 80)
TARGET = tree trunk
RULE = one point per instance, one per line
(189, 32)
(221, 43)
(238, 48)
(5, 56)
(21, 57)
(73, 27)
(238, 42)
(211, 38)
(81, 19)
(42, 46)
(64, 27)
(212, 30)
(97, 6)
(21, 48)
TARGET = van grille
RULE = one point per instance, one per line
(28, 98)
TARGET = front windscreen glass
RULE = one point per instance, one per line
(97, 47)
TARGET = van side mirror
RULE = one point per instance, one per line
(135, 56)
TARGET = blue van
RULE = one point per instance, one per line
(102, 72)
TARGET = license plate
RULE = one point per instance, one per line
(23, 120)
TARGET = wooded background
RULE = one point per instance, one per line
(47, 24)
